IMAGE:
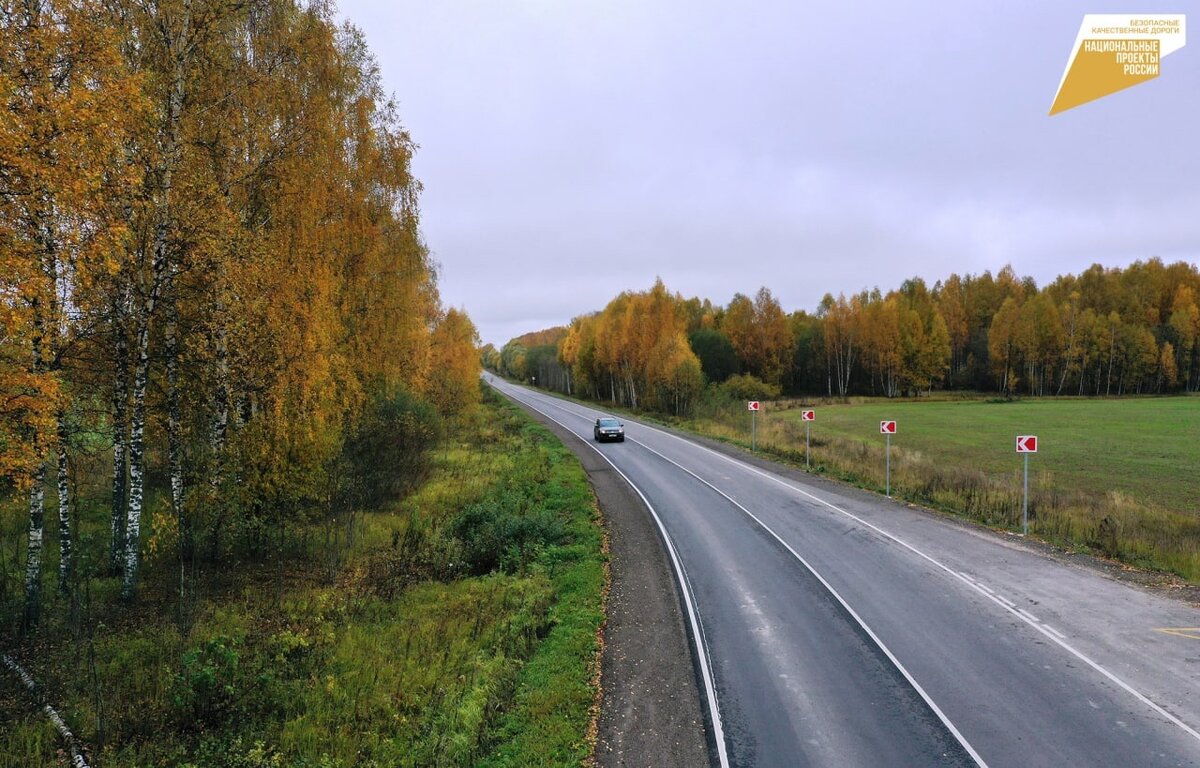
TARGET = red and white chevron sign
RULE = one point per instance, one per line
(1026, 443)
(751, 405)
(808, 415)
(887, 427)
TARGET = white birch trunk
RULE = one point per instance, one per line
(137, 459)
(65, 562)
(220, 420)
(37, 509)
(60, 725)
(845, 384)
(174, 436)
(33, 557)
(1112, 346)
(120, 407)
(160, 272)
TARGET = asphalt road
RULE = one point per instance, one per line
(837, 628)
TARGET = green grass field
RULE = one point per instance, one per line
(1113, 477)
(1147, 448)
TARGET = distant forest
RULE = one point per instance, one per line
(1102, 332)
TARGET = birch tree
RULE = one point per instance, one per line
(760, 334)
(208, 215)
(841, 319)
(454, 383)
(1002, 343)
(63, 86)
(172, 35)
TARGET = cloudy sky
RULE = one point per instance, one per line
(571, 149)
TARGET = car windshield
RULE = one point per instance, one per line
(609, 423)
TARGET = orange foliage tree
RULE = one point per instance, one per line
(453, 386)
(208, 220)
(1103, 331)
(635, 352)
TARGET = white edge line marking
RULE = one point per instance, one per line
(685, 587)
(995, 598)
(984, 587)
(870, 633)
(845, 605)
(1026, 614)
(1055, 632)
(1005, 603)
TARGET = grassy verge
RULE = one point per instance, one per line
(461, 628)
(1113, 477)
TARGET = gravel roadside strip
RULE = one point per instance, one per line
(650, 710)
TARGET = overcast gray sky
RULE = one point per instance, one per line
(571, 149)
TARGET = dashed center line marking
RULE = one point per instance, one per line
(1008, 604)
(1188, 632)
(853, 614)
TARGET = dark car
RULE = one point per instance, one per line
(608, 428)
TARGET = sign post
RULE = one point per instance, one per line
(1026, 444)
(752, 406)
(888, 428)
(808, 417)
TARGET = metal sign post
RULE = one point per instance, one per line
(808, 417)
(752, 406)
(1026, 444)
(888, 428)
(1025, 501)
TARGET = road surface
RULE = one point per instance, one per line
(837, 628)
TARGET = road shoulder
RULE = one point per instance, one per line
(650, 710)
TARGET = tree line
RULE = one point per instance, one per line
(211, 274)
(1102, 332)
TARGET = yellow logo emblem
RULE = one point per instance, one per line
(1115, 51)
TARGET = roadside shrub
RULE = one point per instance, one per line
(205, 690)
(747, 387)
(495, 536)
(418, 554)
(236, 753)
(387, 453)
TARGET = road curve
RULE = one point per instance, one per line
(836, 628)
